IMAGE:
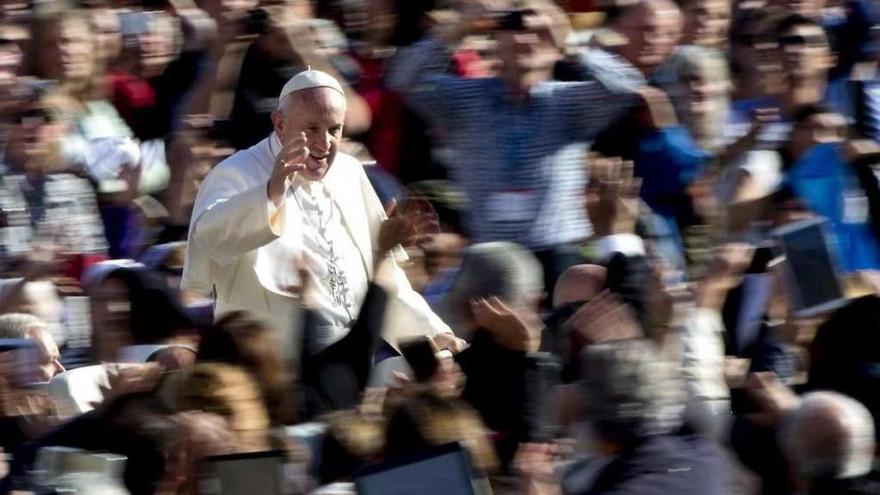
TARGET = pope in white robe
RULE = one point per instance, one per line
(293, 197)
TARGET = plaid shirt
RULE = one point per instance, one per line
(60, 206)
(521, 165)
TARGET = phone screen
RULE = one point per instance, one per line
(743, 402)
(421, 357)
(445, 471)
(811, 268)
(235, 474)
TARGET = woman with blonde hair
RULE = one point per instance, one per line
(241, 340)
(231, 393)
(221, 412)
(427, 420)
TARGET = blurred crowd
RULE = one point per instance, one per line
(605, 179)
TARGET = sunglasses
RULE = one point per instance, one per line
(33, 117)
(800, 40)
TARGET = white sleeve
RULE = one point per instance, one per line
(702, 354)
(234, 219)
(628, 244)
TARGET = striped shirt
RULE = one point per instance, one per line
(59, 206)
(522, 165)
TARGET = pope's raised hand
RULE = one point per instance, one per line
(290, 160)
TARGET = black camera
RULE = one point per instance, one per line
(514, 20)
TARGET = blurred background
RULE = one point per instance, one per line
(689, 306)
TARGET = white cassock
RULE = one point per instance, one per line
(244, 250)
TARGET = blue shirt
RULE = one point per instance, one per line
(522, 165)
(830, 188)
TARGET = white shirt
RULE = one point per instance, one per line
(244, 250)
(327, 242)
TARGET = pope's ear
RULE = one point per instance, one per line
(278, 121)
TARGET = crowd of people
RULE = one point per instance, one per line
(566, 238)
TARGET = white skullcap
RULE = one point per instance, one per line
(308, 79)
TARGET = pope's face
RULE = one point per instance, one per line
(320, 114)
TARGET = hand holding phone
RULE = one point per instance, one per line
(811, 274)
(421, 356)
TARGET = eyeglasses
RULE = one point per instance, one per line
(34, 117)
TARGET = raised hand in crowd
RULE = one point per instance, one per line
(724, 273)
(535, 466)
(760, 119)
(125, 380)
(197, 27)
(774, 399)
(477, 17)
(657, 111)
(411, 222)
(515, 329)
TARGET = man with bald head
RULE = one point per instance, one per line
(829, 442)
(294, 200)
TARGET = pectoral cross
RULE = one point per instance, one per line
(338, 284)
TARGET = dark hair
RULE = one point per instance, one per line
(792, 21)
(618, 10)
(804, 113)
(783, 195)
(156, 312)
(426, 420)
(240, 340)
(845, 354)
(411, 17)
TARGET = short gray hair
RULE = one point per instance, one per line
(631, 390)
(692, 60)
(829, 435)
(501, 269)
(18, 325)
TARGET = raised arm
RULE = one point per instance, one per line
(420, 73)
(615, 88)
(233, 216)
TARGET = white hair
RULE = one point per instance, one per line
(632, 390)
(693, 60)
(829, 435)
(18, 325)
(283, 103)
(501, 269)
